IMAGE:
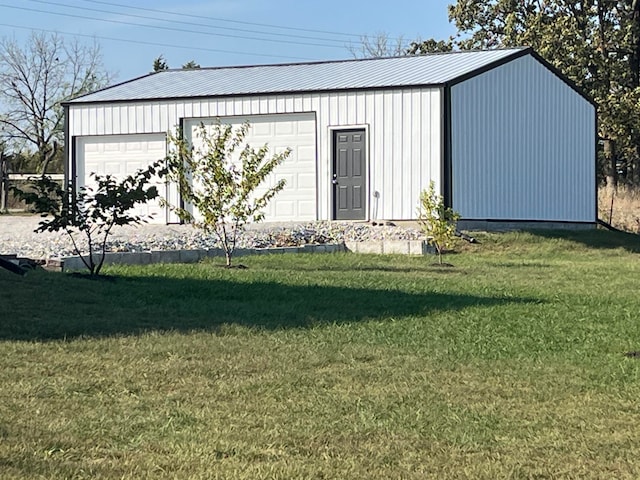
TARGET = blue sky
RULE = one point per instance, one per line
(223, 32)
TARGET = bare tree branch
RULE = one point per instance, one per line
(377, 46)
(35, 79)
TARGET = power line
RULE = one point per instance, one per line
(155, 44)
(240, 22)
(181, 30)
(399, 41)
(173, 21)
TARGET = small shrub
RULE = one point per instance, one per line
(438, 221)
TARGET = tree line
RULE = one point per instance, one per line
(595, 43)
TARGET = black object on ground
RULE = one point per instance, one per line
(8, 263)
(466, 237)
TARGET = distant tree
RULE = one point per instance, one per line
(220, 183)
(421, 47)
(191, 65)
(438, 221)
(18, 162)
(160, 64)
(34, 80)
(91, 211)
(377, 46)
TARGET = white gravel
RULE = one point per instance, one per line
(17, 236)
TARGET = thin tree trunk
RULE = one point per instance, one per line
(635, 179)
(634, 67)
(47, 156)
(634, 58)
(610, 163)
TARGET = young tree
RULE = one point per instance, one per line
(220, 184)
(438, 221)
(91, 211)
(34, 80)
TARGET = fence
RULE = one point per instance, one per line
(7, 180)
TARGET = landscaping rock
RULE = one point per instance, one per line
(17, 237)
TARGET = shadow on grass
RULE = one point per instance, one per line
(55, 306)
(535, 266)
(427, 268)
(601, 239)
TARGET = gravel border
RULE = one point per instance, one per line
(17, 237)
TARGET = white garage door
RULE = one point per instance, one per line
(122, 155)
(297, 201)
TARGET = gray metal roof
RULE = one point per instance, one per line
(435, 69)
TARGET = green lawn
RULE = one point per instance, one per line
(509, 365)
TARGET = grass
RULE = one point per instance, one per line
(510, 365)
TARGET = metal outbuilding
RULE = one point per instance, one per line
(503, 134)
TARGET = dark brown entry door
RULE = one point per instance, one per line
(349, 175)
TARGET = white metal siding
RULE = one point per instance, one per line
(523, 146)
(404, 128)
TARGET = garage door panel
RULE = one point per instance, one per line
(285, 207)
(307, 208)
(306, 154)
(285, 128)
(122, 155)
(261, 130)
(290, 179)
(307, 128)
(109, 146)
(91, 167)
(306, 181)
(134, 147)
(279, 149)
(279, 132)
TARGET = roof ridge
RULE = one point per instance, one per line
(342, 60)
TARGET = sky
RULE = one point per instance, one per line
(132, 33)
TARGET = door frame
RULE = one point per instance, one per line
(332, 129)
